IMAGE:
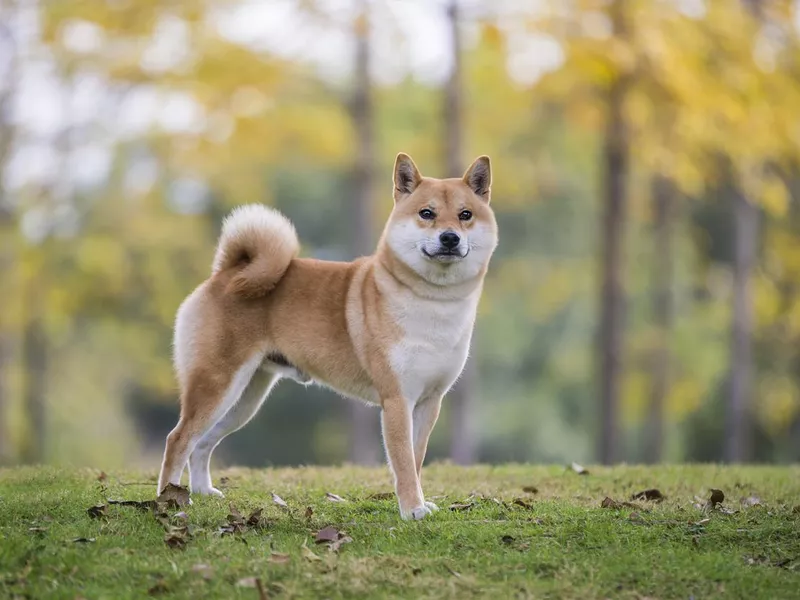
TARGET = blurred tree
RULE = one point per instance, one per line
(663, 198)
(463, 432)
(615, 200)
(364, 438)
(8, 79)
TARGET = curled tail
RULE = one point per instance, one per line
(257, 243)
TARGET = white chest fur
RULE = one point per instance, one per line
(435, 342)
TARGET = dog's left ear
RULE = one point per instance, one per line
(406, 176)
(479, 177)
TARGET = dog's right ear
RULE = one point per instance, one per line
(406, 176)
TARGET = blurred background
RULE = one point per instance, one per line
(643, 304)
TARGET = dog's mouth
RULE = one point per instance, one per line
(445, 254)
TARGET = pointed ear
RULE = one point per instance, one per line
(479, 177)
(406, 176)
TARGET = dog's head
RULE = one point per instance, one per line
(442, 229)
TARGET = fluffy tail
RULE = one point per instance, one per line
(259, 243)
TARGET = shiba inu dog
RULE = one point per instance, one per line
(391, 329)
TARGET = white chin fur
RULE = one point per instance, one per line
(408, 241)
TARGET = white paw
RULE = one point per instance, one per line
(431, 506)
(210, 491)
(415, 514)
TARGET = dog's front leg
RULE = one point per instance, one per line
(397, 437)
(424, 417)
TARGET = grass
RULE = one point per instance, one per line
(556, 543)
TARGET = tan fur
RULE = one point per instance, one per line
(390, 329)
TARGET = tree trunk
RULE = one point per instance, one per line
(737, 418)
(8, 80)
(463, 433)
(364, 436)
(34, 357)
(663, 208)
(612, 293)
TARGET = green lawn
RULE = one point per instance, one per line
(525, 532)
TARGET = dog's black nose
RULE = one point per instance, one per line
(449, 239)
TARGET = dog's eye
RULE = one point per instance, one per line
(427, 214)
(465, 215)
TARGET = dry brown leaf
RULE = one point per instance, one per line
(82, 540)
(102, 477)
(334, 497)
(327, 535)
(717, 497)
(254, 519)
(522, 503)
(158, 588)
(97, 511)
(460, 507)
(343, 539)
(308, 554)
(279, 558)
(530, 489)
(254, 582)
(635, 517)
(279, 501)
(578, 469)
(309, 512)
(177, 537)
(653, 495)
(177, 494)
(144, 505)
(204, 570)
(507, 539)
(751, 501)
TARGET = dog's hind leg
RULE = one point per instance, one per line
(237, 417)
(206, 397)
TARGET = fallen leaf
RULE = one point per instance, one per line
(224, 480)
(522, 503)
(416, 571)
(37, 529)
(180, 516)
(82, 540)
(255, 519)
(507, 539)
(176, 537)
(334, 497)
(97, 511)
(460, 507)
(614, 504)
(578, 469)
(279, 558)
(177, 494)
(143, 505)
(279, 501)
(160, 587)
(381, 496)
(102, 477)
(717, 497)
(327, 535)
(234, 516)
(653, 495)
(308, 554)
(530, 489)
(452, 571)
(206, 571)
(343, 539)
(751, 501)
(309, 512)
(635, 517)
